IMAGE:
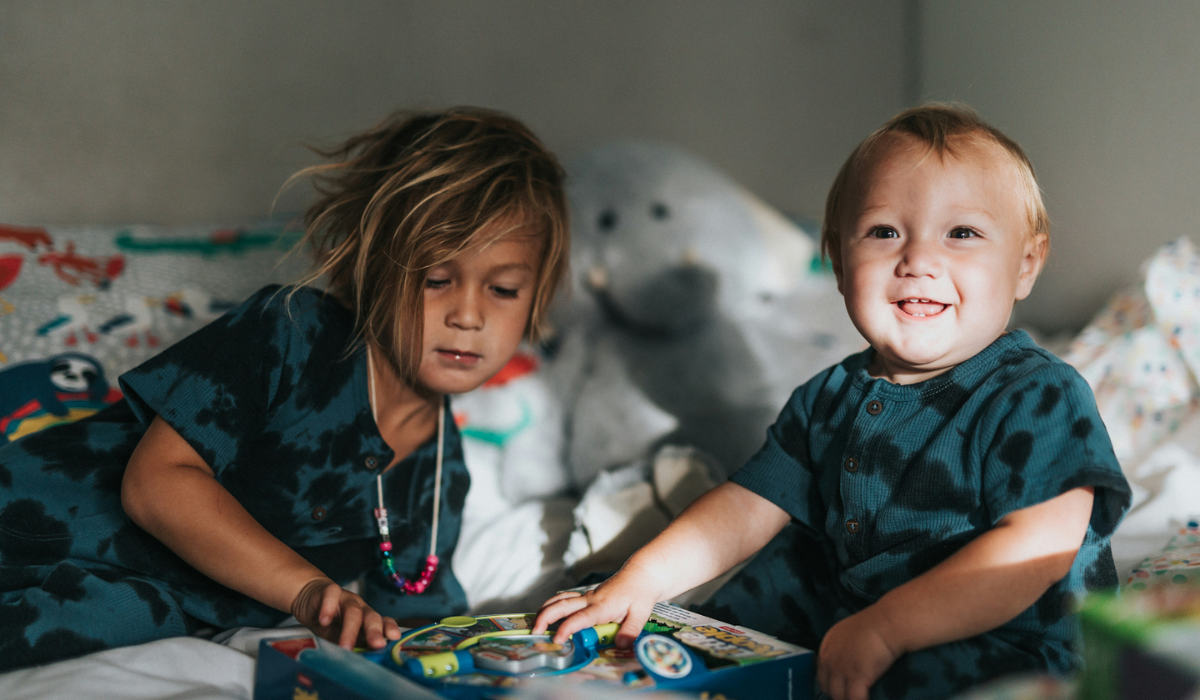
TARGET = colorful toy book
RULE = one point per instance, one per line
(493, 656)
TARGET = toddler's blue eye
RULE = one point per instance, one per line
(963, 232)
(883, 232)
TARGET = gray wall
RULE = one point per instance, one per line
(128, 111)
(1105, 98)
(125, 111)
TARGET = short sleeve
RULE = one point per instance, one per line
(1050, 439)
(781, 471)
(214, 387)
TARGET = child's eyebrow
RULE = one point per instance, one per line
(513, 266)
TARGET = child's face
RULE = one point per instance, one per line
(477, 307)
(934, 255)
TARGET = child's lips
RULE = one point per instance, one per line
(921, 308)
(458, 357)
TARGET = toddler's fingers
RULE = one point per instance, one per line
(391, 629)
(562, 596)
(553, 612)
(352, 618)
(631, 627)
(589, 616)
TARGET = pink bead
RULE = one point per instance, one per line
(385, 546)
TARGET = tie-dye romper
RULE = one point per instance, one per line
(884, 481)
(280, 411)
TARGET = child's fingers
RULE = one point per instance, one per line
(331, 603)
(588, 616)
(631, 627)
(352, 618)
(391, 629)
(553, 612)
(562, 596)
(372, 629)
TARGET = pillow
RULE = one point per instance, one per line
(79, 305)
(1178, 563)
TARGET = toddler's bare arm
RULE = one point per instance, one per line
(988, 582)
(720, 530)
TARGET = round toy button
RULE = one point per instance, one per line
(663, 656)
(458, 621)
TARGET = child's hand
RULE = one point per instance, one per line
(853, 655)
(627, 597)
(340, 616)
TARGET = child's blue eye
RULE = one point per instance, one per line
(505, 293)
(963, 232)
(883, 232)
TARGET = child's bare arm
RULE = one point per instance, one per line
(170, 492)
(717, 532)
(988, 582)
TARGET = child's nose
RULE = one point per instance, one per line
(465, 313)
(920, 259)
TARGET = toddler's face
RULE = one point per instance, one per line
(476, 310)
(934, 255)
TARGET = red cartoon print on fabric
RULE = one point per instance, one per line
(73, 268)
(31, 238)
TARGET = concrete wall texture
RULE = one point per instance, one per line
(190, 111)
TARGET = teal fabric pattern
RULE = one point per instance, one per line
(891, 479)
(274, 403)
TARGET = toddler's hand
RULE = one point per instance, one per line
(627, 598)
(852, 657)
(338, 615)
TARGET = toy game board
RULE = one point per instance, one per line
(489, 656)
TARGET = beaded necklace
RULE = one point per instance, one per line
(418, 585)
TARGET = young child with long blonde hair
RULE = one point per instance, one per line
(303, 440)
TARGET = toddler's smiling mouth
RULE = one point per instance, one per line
(921, 308)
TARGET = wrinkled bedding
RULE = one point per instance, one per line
(1141, 355)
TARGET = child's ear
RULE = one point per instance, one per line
(1036, 247)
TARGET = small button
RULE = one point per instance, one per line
(874, 407)
(851, 464)
(370, 461)
(852, 526)
(319, 513)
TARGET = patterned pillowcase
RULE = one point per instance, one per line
(80, 305)
(1177, 563)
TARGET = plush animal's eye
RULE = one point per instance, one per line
(660, 210)
(607, 220)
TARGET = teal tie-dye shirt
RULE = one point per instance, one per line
(899, 477)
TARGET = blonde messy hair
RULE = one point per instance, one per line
(943, 129)
(415, 192)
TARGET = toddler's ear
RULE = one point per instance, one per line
(1036, 247)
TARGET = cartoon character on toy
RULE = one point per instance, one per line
(38, 394)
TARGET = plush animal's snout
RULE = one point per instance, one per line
(675, 300)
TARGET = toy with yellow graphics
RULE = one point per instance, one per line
(460, 657)
(487, 656)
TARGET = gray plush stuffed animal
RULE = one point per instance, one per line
(677, 271)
